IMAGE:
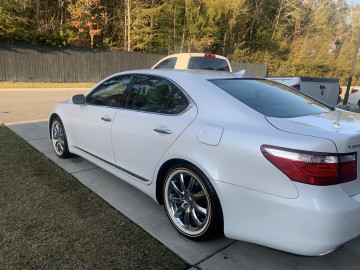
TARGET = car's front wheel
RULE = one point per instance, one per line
(191, 203)
(58, 138)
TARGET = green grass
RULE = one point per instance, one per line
(44, 85)
(49, 220)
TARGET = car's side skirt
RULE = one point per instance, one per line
(113, 165)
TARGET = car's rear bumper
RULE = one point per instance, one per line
(320, 220)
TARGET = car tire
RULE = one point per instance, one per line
(58, 138)
(191, 203)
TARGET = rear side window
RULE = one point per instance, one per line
(177, 102)
(154, 94)
(208, 63)
(271, 98)
(167, 63)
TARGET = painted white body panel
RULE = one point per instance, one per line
(210, 134)
(238, 168)
(88, 127)
(132, 131)
(320, 218)
(339, 126)
(260, 204)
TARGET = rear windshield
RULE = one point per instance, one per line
(271, 98)
(208, 63)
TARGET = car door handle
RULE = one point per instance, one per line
(106, 118)
(163, 130)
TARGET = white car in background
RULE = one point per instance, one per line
(354, 97)
(249, 157)
(205, 61)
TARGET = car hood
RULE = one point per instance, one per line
(341, 127)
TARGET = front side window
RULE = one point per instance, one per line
(154, 94)
(208, 63)
(111, 92)
(271, 98)
(167, 63)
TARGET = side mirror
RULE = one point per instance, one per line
(78, 99)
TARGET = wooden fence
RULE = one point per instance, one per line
(21, 62)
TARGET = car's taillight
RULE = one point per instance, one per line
(354, 91)
(296, 87)
(313, 168)
(209, 55)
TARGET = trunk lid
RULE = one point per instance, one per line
(341, 127)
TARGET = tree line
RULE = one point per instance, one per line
(291, 37)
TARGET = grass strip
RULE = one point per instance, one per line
(49, 220)
(45, 85)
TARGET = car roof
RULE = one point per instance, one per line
(192, 73)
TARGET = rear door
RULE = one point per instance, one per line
(156, 113)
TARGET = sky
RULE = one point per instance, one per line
(354, 1)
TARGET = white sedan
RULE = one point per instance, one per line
(247, 157)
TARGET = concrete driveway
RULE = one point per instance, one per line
(215, 254)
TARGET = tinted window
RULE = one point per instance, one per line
(208, 63)
(178, 102)
(167, 63)
(111, 92)
(271, 98)
(153, 94)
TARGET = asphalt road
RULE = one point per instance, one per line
(27, 104)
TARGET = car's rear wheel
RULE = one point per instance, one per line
(191, 203)
(58, 138)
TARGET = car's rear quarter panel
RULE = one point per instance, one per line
(260, 204)
(320, 220)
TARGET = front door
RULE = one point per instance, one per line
(91, 123)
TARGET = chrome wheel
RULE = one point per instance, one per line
(187, 202)
(58, 138)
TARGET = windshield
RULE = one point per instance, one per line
(271, 98)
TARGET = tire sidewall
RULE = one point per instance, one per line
(66, 152)
(212, 226)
